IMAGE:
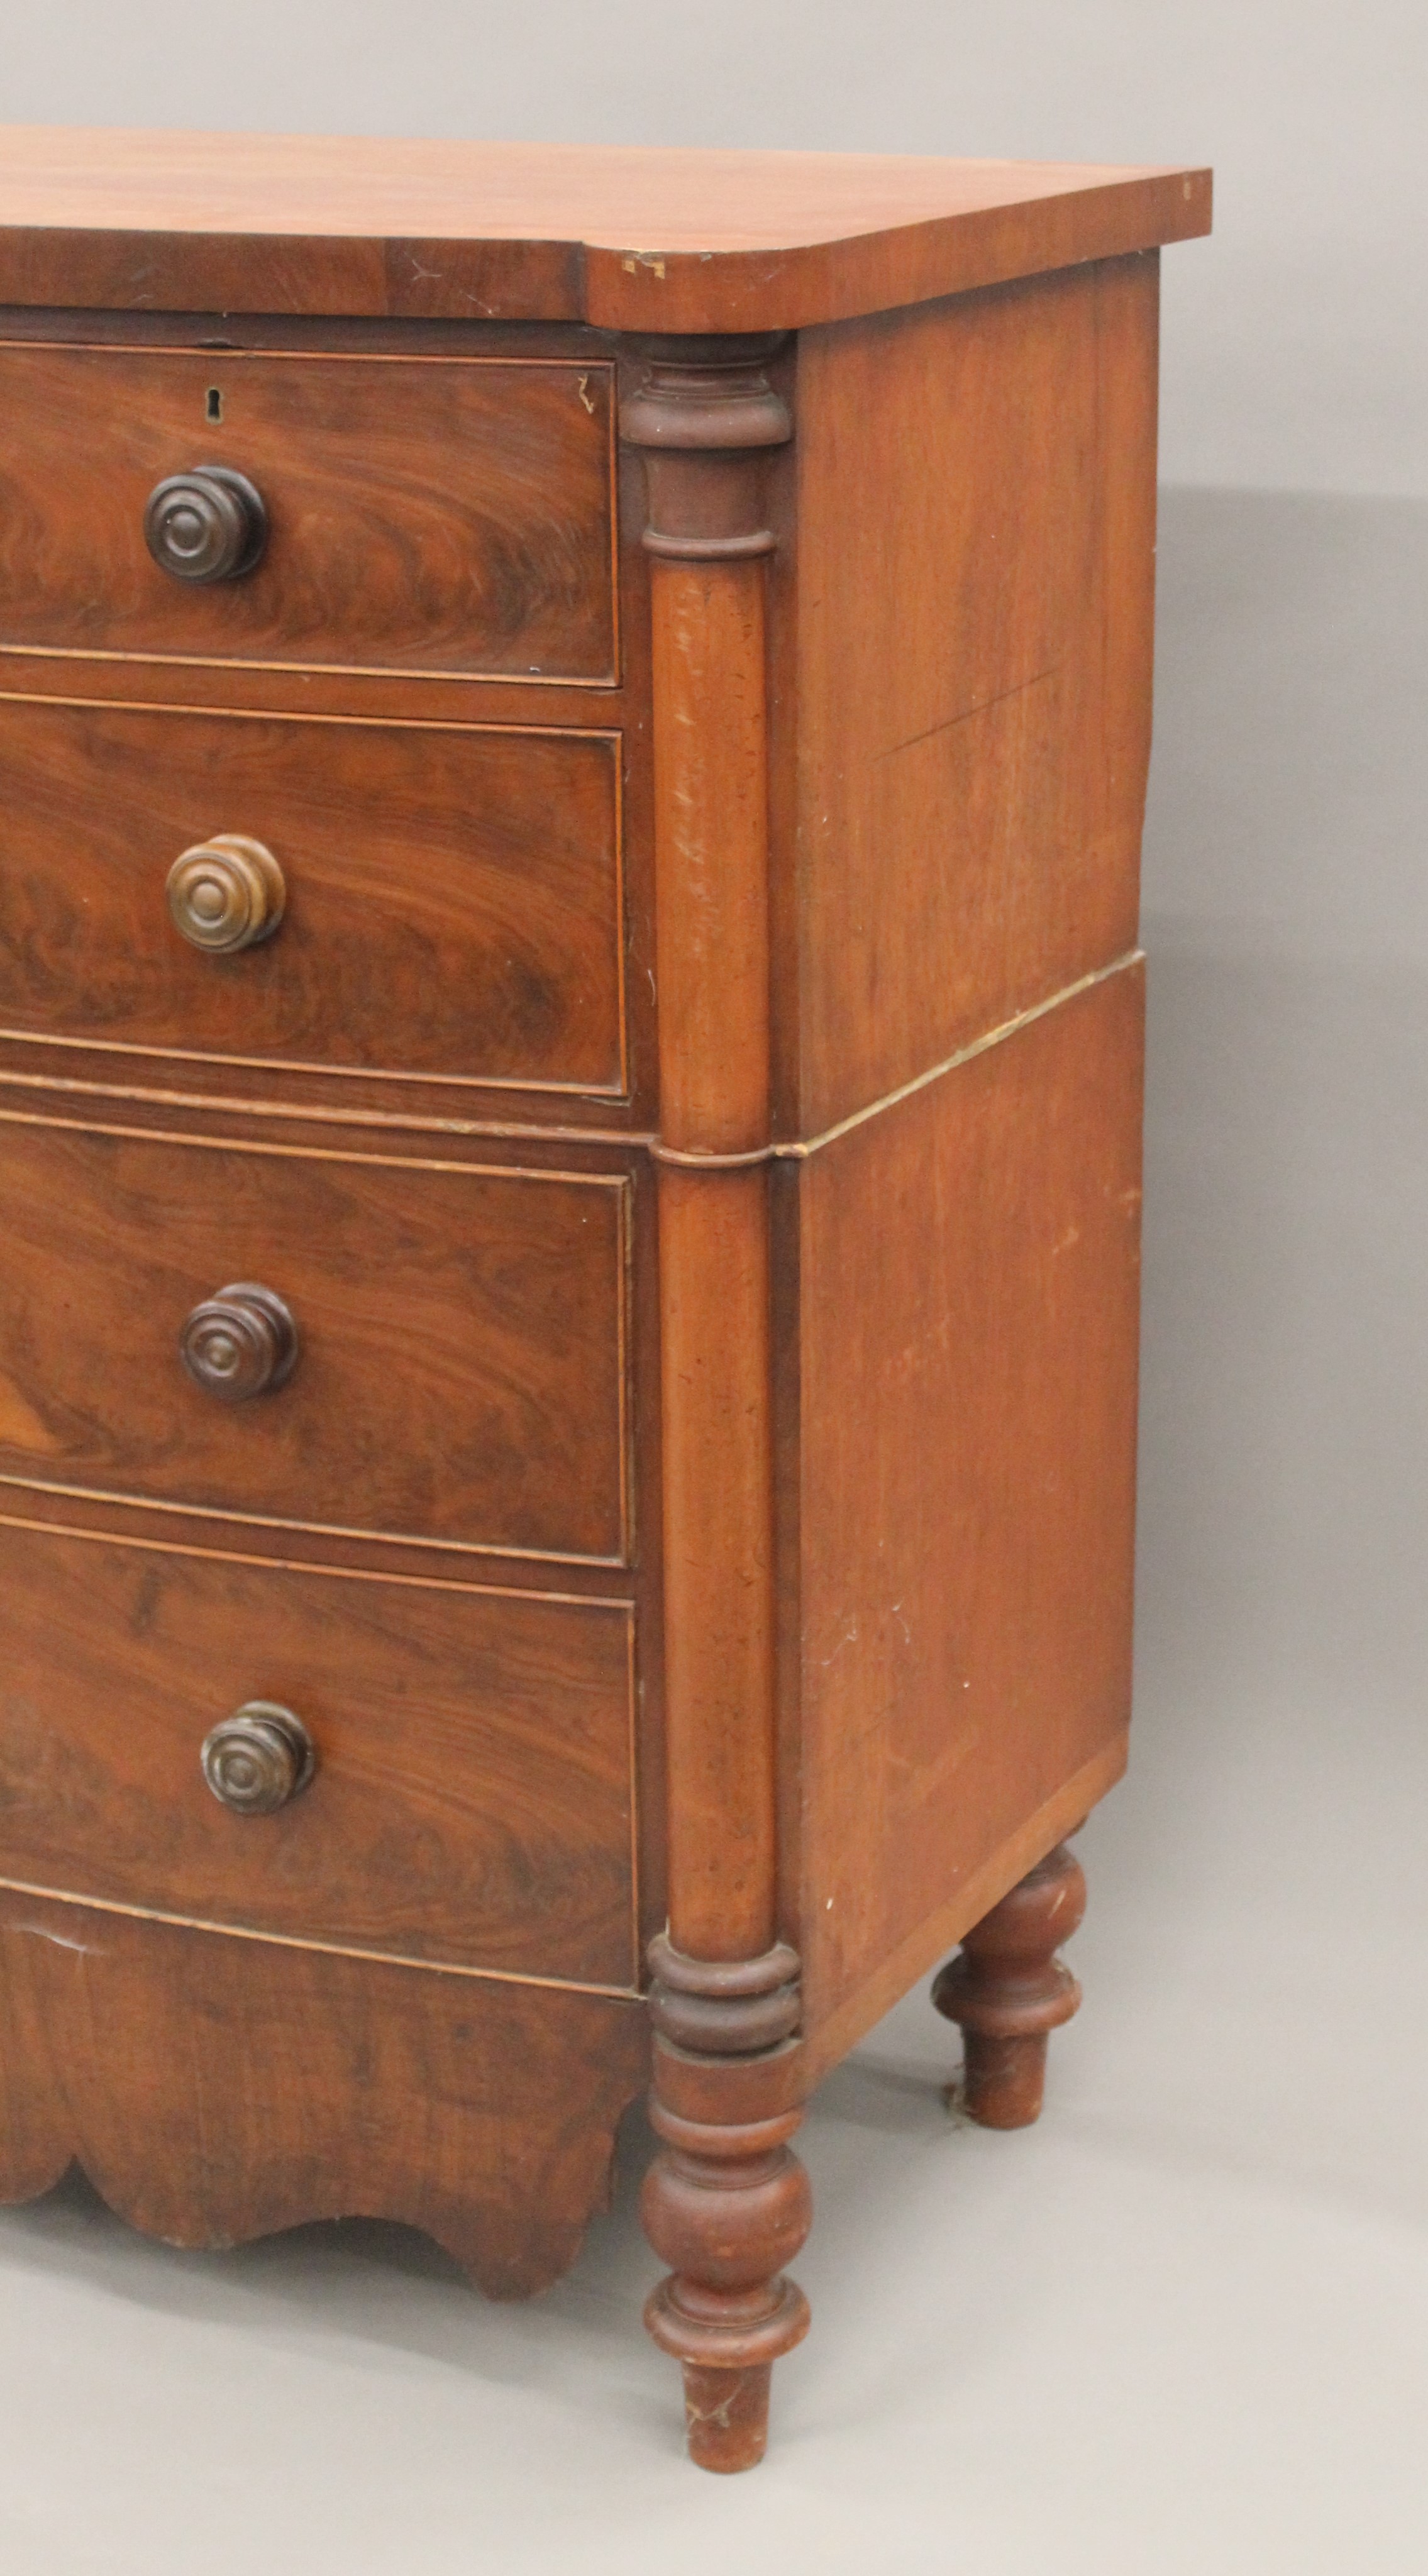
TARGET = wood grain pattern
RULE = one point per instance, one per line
(425, 514)
(658, 241)
(462, 1368)
(968, 1292)
(973, 638)
(453, 902)
(214, 2090)
(473, 1796)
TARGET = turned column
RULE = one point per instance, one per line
(726, 2203)
(1009, 1991)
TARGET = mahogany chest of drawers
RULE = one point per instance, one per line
(573, 730)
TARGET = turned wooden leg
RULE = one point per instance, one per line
(726, 2204)
(1009, 1990)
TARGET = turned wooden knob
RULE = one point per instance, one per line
(259, 1758)
(226, 894)
(241, 1342)
(206, 525)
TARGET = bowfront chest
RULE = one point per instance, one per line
(573, 730)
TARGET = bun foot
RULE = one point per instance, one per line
(1009, 1991)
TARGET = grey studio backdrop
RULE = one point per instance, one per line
(1182, 2324)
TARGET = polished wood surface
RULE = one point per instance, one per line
(425, 514)
(472, 1802)
(214, 2090)
(632, 240)
(968, 1289)
(631, 1102)
(453, 901)
(462, 1370)
(972, 639)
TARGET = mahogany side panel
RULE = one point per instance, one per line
(215, 2090)
(473, 1798)
(976, 551)
(425, 514)
(461, 1375)
(968, 1287)
(453, 897)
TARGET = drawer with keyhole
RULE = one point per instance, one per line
(439, 901)
(310, 510)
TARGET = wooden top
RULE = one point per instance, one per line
(628, 240)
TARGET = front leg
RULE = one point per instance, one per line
(727, 2202)
(1009, 1991)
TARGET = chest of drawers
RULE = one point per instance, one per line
(573, 731)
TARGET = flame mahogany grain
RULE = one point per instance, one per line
(462, 1368)
(453, 893)
(473, 1799)
(426, 514)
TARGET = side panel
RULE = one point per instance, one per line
(976, 549)
(968, 1284)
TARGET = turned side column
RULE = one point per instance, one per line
(1009, 1991)
(726, 2202)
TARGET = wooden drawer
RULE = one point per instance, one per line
(472, 1799)
(425, 515)
(452, 893)
(460, 1377)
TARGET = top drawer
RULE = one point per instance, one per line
(438, 517)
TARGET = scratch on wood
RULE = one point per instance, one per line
(41, 1931)
(964, 714)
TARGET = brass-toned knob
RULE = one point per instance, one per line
(259, 1758)
(226, 894)
(241, 1342)
(207, 525)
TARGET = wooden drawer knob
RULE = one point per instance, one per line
(206, 525)
(259, 1758)
(241, 1342)
(227, 893)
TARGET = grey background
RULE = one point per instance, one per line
(1182, 2324)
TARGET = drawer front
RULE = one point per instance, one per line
(472, 1795)
(460, 1335)
(450, 894)
(424, 515)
